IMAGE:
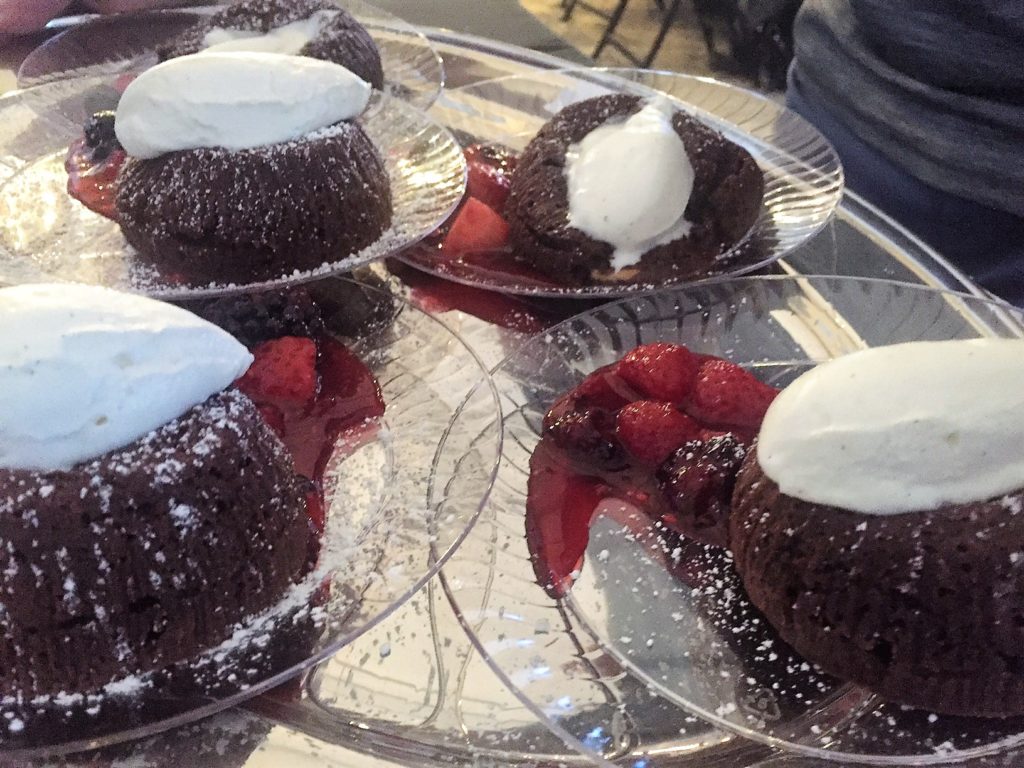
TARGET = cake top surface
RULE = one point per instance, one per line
(235, 100)
(901, 428)
(85, 370)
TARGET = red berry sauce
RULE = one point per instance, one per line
(637, 432)
(472, 245)
(93, 182)
(342, 414)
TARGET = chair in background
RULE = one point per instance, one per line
(757, 34)
(668, 14)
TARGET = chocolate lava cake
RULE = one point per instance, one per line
(726, 200)
(148, 554)
(236, 216)
(921, 607)
(342, 39)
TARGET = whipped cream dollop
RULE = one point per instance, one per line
(901, 428)
(288, 38)
(85, 370)
(629, 183)
(235, 101)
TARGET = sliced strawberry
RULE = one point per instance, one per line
(349, 392)
(724, 393)
(348, 403)
(490, 173)
(660, 371)
(563, 406)
(604, 388)
(283, 370)
(601, 389)
(559, 507)
(650, 430)
(476, 228)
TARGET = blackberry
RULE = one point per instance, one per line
(100, 136)
(586, 435)
(697, 482)
(351, 309)
(253, 318)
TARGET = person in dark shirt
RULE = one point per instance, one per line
(22, 16)
(924, 101)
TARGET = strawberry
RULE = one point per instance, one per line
(660, 371)
(476, 228)
(489, 174)
(283, 370)
(650, 431)
(724, 393)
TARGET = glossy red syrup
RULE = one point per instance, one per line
(342, 415)
(563, 500)
(435, 295)
(92, 183)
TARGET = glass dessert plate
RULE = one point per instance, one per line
(48, 236)
(803, 175)
(413, 70)
(656, 642)
(399, 498)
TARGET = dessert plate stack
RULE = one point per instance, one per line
(643, 662)
(413, 70)
(803, 175)
(395, 506)
(398, 501)
(655, 651)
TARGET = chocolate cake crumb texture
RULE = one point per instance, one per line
(148, 554)
(217, 215)
(921, 607)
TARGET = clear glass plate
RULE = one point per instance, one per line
(398, 504)
(658, 645)
(413, 70)
(803, 175)
(46, 235)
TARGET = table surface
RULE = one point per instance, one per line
(418, 701)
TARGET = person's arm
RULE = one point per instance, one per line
(119, 6)
(22, 16)
(19, 17)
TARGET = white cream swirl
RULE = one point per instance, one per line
(629, 183)
(901, 428)
(288, 38)
(235, 101)
(85, 370)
